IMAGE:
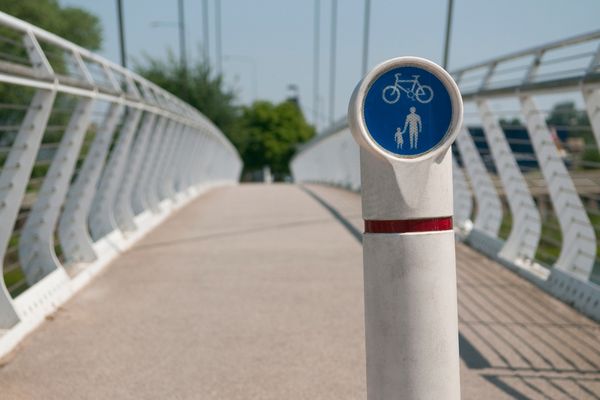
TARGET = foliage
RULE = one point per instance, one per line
(71, 23)
(264, 133)
(513, 122)
(268, 134)
(196, 86)
(566, 116)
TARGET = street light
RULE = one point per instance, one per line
(248, 60)
(121, 33)
(448, 32)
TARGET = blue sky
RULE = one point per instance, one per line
(270, 42)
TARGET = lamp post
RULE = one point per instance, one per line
(448, 32)
(333, 61)
(367, 20)
(317, 24)
(121, 33)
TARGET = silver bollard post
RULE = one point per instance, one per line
(405, 114)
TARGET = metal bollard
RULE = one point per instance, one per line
(405, 114)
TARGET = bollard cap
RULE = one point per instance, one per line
(406, 109)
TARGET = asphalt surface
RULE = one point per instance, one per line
(255, 292)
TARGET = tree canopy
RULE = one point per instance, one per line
(268, 134)
(197, 86)
(71, 23)
(265, 134)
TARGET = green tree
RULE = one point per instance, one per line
(197, 86)
(512, 122)
(71, 23)
(565, 115)
(268, 134)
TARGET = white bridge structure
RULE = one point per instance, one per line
(503, 179)
(128, 155)
(135, 266)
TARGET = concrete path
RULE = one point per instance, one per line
(255, 292)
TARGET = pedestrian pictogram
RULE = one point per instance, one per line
(413, 123)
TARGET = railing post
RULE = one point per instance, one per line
(102, 218)
(206, 165)
(578, 250)
(123, 211)
(13, 182)
(411, 321)
(18, 165)
(591, 95)
(489, 207)
(526, 228)
(140, 193)
(181, 153)
(157, 167)
(197, 160)
(36, 245)
(170, 142)
(189, 150)
(463, 201)
(73, 230)
(167, 187)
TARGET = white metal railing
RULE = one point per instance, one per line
(513, 173)
(92, 156)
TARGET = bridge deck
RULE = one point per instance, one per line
(256, 292)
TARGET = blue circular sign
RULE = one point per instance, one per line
(408, 111)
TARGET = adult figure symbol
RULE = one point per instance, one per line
(413, 122)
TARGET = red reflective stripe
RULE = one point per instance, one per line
(409, 225)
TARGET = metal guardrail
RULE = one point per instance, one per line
(523, 193)
(92, 156)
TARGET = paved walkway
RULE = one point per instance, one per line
(255, 292)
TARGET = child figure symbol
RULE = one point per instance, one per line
(399, 138)
(414, 125)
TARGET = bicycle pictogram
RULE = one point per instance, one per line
(412, 87)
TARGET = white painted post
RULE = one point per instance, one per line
(171, 142)
(140, 201)
(578, 250)
(36, 246)
(591, 94)
(190, 152)
(17, 167)
(13, 182)
(463, 200)
(411, 317)
(73, 230)
(181, 155)
(199, 153)
(123, 211)
(102, 219)
(157, 166)
(489, 208)
(522, 242)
